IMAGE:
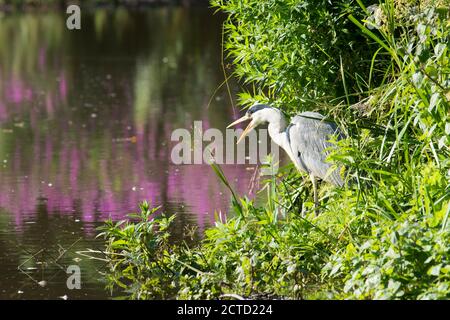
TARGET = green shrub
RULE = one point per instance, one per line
(139, 254)
(254, 254)
(291, 51)
(407, 198)
(408, 258)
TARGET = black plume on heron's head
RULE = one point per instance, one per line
(257, 107)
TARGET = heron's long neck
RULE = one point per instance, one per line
(277, 127)
(277, 131)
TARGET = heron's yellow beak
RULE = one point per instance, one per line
(249, 128)
(244, 118)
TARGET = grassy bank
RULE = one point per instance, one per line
(381, 70)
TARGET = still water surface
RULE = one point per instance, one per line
(85, 124)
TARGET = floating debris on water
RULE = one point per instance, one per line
(132, 139)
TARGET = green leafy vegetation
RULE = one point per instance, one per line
(291, 51)
(383, 73)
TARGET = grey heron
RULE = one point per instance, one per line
(305, 139)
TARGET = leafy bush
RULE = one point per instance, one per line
(254, 254)
(139, 254)
(408, 258)
(407, 196)
(292, 51)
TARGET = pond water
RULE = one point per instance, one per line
(85, 123)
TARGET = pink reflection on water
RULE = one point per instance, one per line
(17, 92)
(61, 157)
(62, 173)
(63, 86)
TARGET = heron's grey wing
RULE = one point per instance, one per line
(309, 139)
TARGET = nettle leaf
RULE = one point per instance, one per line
(439, 50)
(391, 253)
(435, 99)
(434, 270)
(291, 268)
(421, 31)
(417, 79)
(393, 285)
(447, 128)
(335, 269)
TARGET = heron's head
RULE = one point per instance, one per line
(256, 114)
